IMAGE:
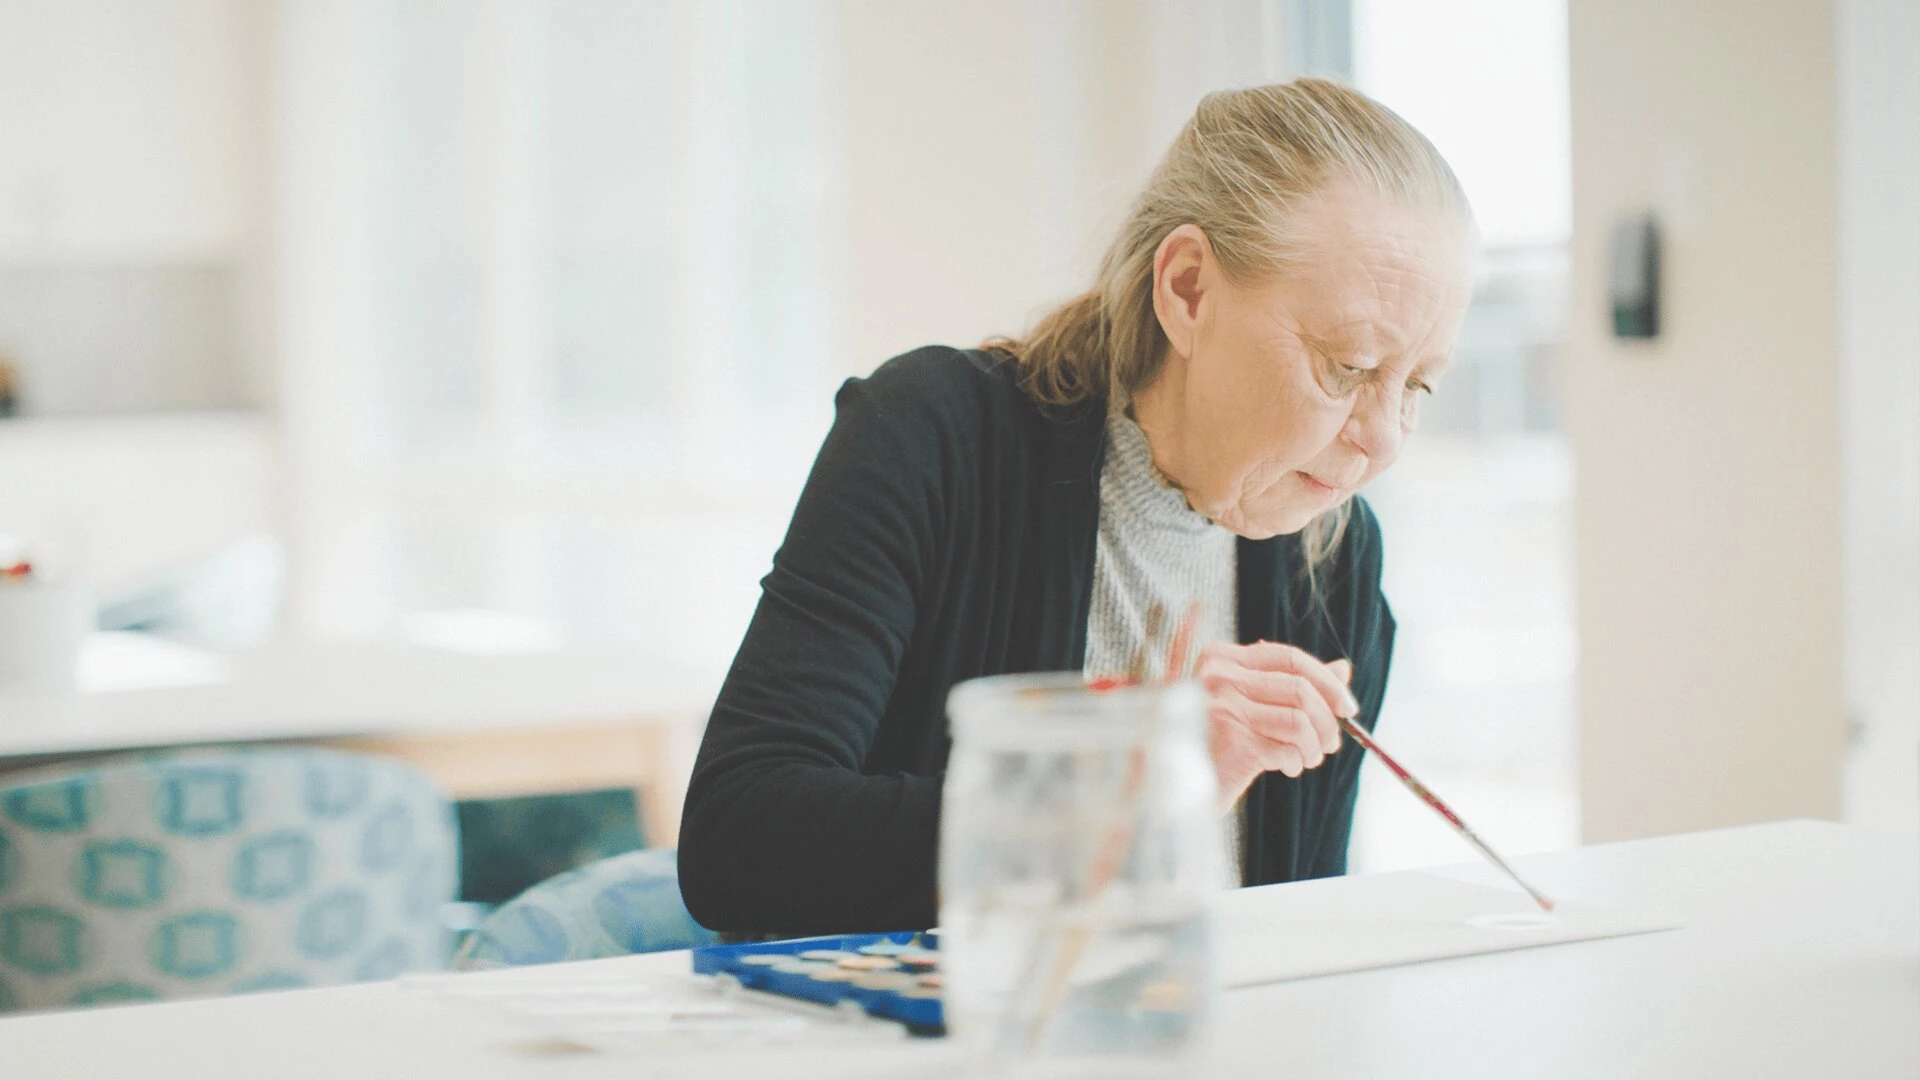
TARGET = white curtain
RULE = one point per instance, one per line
(554, 325)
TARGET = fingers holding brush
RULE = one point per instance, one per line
(1271, 708)
(1270, 728)
(1285, 677)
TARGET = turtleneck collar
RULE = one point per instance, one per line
(1131, 486)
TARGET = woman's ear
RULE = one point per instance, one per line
(1182, 270)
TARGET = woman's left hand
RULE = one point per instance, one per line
(1271, 708)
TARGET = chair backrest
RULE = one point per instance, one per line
(218, 871)
(615, 907)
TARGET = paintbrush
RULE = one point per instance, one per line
(1360, 735)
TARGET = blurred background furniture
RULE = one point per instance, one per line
(554, 759)
(509, 845)
(615, 907)
(147, 878)
(483, 727)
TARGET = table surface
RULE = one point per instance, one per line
(1800, 958)
(337, 690)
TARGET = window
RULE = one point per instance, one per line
(1478, 513)
(592, 361)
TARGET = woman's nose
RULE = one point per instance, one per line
(1375, 424)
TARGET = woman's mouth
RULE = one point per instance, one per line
(1316, 484)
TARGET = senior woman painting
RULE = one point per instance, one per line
(1194, 428)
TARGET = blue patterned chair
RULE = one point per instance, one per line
(626, 904)
(218, 871)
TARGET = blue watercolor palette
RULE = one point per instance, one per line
(891, 976)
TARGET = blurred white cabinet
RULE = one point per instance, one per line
(126, 130)
(125, 496)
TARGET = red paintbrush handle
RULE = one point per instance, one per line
(1427, 796)
(1360, 735)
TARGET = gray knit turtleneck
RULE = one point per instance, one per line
(1152, 549)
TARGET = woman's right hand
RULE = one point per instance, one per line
(1270, 708)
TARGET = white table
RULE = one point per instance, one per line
(1801, 959)
(484, 726)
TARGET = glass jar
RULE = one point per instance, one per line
(1081, 857)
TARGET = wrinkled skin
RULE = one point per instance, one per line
(1281, 398)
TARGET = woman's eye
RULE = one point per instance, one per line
(1347, 376)
(1419, 387)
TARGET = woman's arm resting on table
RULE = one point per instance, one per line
(782, 832)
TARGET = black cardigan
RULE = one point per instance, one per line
(947, 532)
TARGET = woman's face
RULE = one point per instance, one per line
(1279, 399)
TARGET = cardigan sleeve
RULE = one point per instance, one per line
(1364, 625)
(783, 831)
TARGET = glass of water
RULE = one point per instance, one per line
(1081, 856)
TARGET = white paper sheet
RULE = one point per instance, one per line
(1302, 930)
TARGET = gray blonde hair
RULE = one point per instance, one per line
(1240, 170)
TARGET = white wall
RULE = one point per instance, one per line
(1880, 402)
(1707, 506)
(123, 123)
(133, 181)
(989, 150)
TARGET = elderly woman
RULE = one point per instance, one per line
(1193, 429)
